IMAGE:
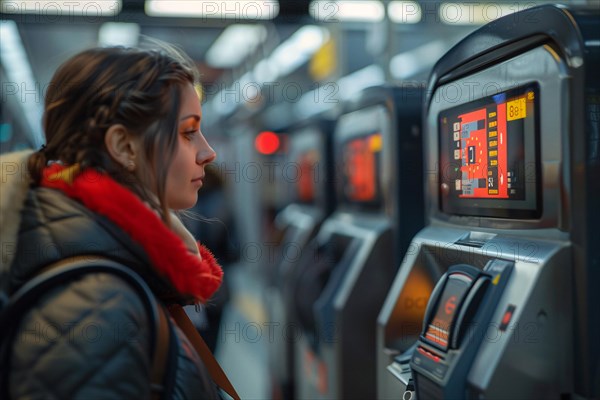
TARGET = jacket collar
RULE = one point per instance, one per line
(191, 275)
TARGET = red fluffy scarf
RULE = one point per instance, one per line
(191, 275)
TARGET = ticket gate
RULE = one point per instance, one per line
(310, 163)
(349, 266)
(512, 194)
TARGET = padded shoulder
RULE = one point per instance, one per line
(89, 338)
(54, 227)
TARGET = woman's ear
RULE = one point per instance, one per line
(121, 146)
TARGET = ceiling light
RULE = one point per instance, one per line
(263, 71)
(119, 34)
(360, 11)
(297, 50)
(87, 8)
(404, 12)
(238, 10)
(234, 44)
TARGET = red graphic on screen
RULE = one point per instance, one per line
(306, 182)
(360, 169)
(481, 144)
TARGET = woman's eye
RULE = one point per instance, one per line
(190, 134)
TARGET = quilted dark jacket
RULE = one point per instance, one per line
(90, 338)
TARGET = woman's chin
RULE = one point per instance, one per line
(183, 204)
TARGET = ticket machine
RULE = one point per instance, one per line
(308, 172)
(512, 140)
(349, 266)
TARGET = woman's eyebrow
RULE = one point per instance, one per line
(195, 116)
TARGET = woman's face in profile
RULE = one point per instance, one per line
(193, 153)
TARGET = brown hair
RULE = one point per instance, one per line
(101, 87)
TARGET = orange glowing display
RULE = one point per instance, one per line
(306, 183)
(360, 167)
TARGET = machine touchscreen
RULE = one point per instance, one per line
(488, 156)
(307, 164)
(361, 165)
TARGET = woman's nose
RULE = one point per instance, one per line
(206, 154)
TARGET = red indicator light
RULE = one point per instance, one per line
(507, 317)
(428, 354)
(267, 142)
(508, 314)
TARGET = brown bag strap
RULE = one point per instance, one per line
(161, 352)
(215, 370)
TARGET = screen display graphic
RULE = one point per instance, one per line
(308, 163)
(488, 155)
(361, 165)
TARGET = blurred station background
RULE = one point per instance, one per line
(320, 113)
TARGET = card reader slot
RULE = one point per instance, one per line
(475, 239)
(430, 354)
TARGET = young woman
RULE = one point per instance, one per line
(124, 149)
